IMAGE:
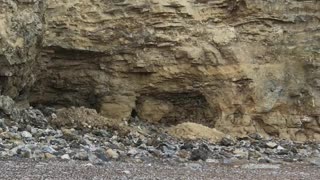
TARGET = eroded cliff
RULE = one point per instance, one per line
(241, 66)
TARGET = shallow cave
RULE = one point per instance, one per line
(187, 107)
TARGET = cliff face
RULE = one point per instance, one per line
(20, 37)
(241, 66)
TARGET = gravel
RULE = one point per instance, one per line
(64, 170)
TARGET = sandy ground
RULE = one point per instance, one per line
(28, 169)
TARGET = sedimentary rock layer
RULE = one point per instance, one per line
(241, 66)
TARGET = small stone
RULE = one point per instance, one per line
(6, 104)
(256, 136)
(24, 152)
(94, 159)
(282, 151)
(167, 152)
(254, 154)
(264, 160)
(69, 134)
(101, 155)
(2, 124)
(126, 172)
(48, 149)
(241, 153)
(83, 156)
(112, 154)
(26, 134)
(280, 148)
(315, 161)
(227, 141)
(34, 130)
(271, 144)
(88, 165)
(49, 156)
(201, 153)
(184, 154)
(227, 161)
(65, 156)
(133, 152)
(215, 161)
(187, 146)
(13, 136)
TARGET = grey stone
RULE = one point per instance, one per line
(133, 152)
(33, 117)
(2, 124)
(83, 156)
(112, 154)
(24, 152)
(26, 134)
(6, 105)
(271, 144)
(194, 166)
(256, 136)
(201, 153)
(48, 149)
(315, 161)
(215, 161)
(65, 157)
(227, 141)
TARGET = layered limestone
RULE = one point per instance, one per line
(240, 66)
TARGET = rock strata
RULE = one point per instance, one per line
(239, 66)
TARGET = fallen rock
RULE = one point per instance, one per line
(241, 153)
(227, 141)
(214, 161)
(133, 152)
(82, 156)
(65, 157)
(112, 154)
(202, 153)
(84, 118)
(193, 131)
(315, 161)
(33, 117)
(49, 156)
(271, 144)
(26, 134)
(6, 104)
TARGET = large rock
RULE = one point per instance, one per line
(6, 105)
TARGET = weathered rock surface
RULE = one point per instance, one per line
(240, 66)
(20, 33)
(193, 131)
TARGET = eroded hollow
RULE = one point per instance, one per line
(175, 108)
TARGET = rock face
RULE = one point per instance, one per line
(241, 66)
(20, 33)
